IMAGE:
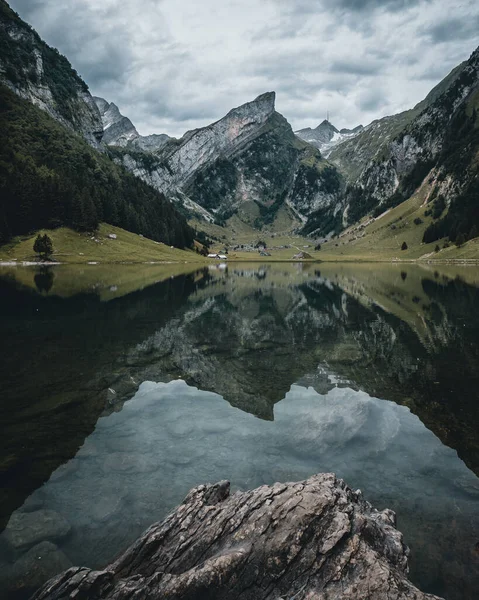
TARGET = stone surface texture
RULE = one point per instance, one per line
(314, 539)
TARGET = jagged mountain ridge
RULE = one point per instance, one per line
(210, 172)
(249, 157)
(383, 164)
(326, 136)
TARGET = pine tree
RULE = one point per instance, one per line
(43, 246)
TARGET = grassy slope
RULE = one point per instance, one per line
(379, 243)
(239, 231)
(382, 239)
(73, 247)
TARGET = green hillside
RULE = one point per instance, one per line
(71, 246)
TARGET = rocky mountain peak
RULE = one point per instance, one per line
(267, 99)
(325, 136)
(258, 110)
(118, 130)
(326, 126)
(200, 147)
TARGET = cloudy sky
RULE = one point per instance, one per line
(172, 66)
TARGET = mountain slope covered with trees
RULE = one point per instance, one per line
(50, 176)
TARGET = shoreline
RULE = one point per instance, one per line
(262, 260)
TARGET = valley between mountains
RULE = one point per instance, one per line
(404, 187)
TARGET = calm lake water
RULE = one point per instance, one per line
(123, 387)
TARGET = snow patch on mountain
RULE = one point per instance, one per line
(326, 136)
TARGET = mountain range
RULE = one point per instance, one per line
(248, 163)
(250, 167)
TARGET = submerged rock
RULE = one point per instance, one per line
(312, 539)
(25, 529)
(33, 568)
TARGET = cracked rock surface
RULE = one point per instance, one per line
(315, 539)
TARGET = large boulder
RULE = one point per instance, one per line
(316, 539)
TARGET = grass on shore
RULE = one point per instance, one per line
(379, 241)
(76, 248)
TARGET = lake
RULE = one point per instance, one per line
(124, 386)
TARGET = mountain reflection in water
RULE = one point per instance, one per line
(314, 357)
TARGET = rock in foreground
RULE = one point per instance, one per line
(315, 539)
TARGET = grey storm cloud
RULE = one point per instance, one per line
(357, 67)
(355, 6)
(172, 66)
(372, 99)
(367, 5)
(454, 28)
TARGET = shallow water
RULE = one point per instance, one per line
(117, 401)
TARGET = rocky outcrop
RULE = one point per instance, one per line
(120, 131)
(43, 76)
(312, 539)
(180, 159)
(392, 156)
(40, 74)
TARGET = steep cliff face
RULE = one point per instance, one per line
(179, 160)
(391, 157)
(250, 159)
(43, 76)
(120, 131)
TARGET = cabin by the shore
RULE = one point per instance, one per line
(218, 256)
